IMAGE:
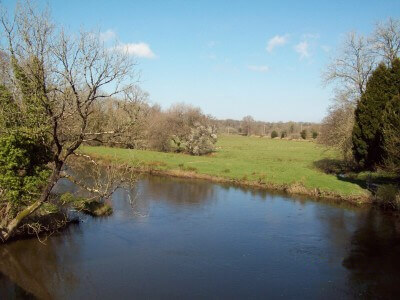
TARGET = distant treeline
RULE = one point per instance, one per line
(179, 128)
(248, 126)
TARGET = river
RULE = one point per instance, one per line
(176, 238)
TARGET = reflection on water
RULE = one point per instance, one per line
(374, 257)
(40, 268)
(179, 194)
(175, 238)
(10, 290)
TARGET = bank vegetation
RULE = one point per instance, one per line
(363, 122)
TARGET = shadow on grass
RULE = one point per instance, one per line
(349, 172)
(335, 166)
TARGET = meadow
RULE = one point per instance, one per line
(273, 163)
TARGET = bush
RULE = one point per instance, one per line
(303, 134)
(337, 127)
(182, 129)
(314, 135)
(334, 166)
(388, 196)
(23, 168)
(159, 134)
(274, 134)
(283, 134)
(201, 140)
(93, 207)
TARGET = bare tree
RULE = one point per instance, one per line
(104, 179)
(352, 66)
(386, 40)
(71, 74)
(126, 118)
(159, 131)
(247, 125)
(337, 127)
(349, 71)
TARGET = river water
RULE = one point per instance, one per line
(175, 238)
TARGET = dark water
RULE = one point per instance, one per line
(198, 240)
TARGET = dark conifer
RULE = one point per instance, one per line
(368, 141)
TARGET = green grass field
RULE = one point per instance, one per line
(254, 159)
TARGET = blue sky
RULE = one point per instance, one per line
(231, 58)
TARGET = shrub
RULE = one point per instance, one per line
(201, 140)
(274, 134)
(303, 134)
(388, 196)
(93, 207)
(337, 127)
(314, 135)
(334, 166)
(159, 133)
(182, 129)
(283, 134)
(23, 168)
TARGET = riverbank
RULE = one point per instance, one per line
(285, 165)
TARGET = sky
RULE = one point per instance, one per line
(230, 58)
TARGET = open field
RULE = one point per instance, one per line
(280, 164)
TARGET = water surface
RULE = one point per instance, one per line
(199, 240)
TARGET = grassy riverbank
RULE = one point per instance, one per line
(277, 164)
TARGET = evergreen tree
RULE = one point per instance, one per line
(23, 168)
(303, 134)
(25, 150)
(33, 102)
(367, 136)
(391, 134)
(9, 112)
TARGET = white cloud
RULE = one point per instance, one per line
(107, 35)
(259, 68)
(278, 40)
(302, 49)
(138, 49)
